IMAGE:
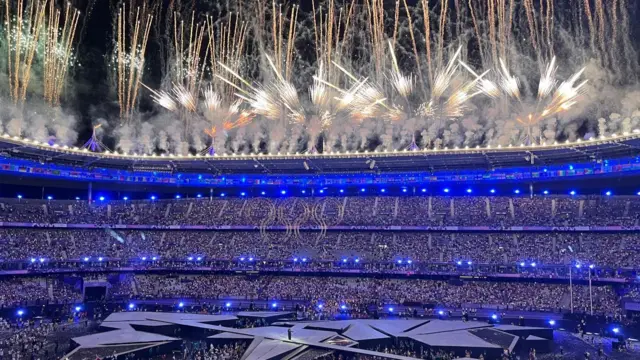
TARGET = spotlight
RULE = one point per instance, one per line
(19, 196)
(177, 196)
(199, 258)
(390, 309)
(363, 190)
(383, 190)
(616, 330)
(223, 194)
(441, 312)
(101, 198)
(344, 260)
(190, 258)
(469, 262)
(33, 260)
(552, 322)
(274, 305)
(154, 258)
(131, 306)
(41, 260)
(523, 264)
(399, 261)
(262, 193)
(49, 197)
(446, 190)
(546, 192)
(578, 266)
(638, 193)
(20, 312)
(250, 259)
(100, 259)
(304, 191)
(321, 191)
(86, 258)
(181, 304)
(295, 259)
(343, 307)
(341, 191)
(517, 191)
(357, 260)
(283, 192)
(409, 261)
(144, 258)
(533, 264)
(573, 192)
(304, 259)
(608, 193)
(469, 191)
(199, 196)
(591, 266)
(78, 308)
(243, 193)
(404, 190)
(153, 197)
(125, 198)
(319, 306)
(242, 259)
(424, 190)
(227, 304)
(494, 317)
(459, 262)
(493, 191)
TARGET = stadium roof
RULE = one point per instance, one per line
(486, 158)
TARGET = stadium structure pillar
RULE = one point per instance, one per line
(90, 192)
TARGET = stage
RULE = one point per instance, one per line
(146, 333)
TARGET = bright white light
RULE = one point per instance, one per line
(552, 322)
(181, 304)
(494, 317)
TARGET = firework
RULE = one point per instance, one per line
(132, 34)
(60, 33)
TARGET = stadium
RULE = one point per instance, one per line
(326, 179)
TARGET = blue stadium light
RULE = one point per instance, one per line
(86, 258)
(469, 262)
(125, 198)
(178, 196)
(616, 330)
(154, 258)
(77, 198)
(19, 196)
(552, 322)
(399, 261)
(459, 262)
(440, 312)
(533, 264)
(383, 190)
(638, 193)
(242, 259)
(343, 307)
(573, 192)
(321, 191)
(153, 197)
(100, 258)
(523, 264)
(78, 308)
(409, 261)
(357, 260)
(304, 259)
(274, 305)
(295, 259)
(180, 304)
(320, 306)
(199, 196)
(545, 169)
(243, 193)
(304, 191)
(20, 312)
(33, 260)
(263, 193)
(228, 304)
(344, 260)
(390, 309)
(517, 191)
(199, 258)
(283, 192)
(144, 258)
(546, 192)
(132, 305)
(608, 193)
(494, 317)
(223, 195)
(424, 190)
(404, 190)
(446, 190)
(49, 197)
(250, 259)
(578, 266)
(493, 191)
(101, 198)
(341, 191)
(41, 260)
(469, 191)
(570, 167)
(591, 266)
(190, 258)
(363, 190)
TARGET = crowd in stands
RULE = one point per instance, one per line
(495, 211)
(617, 250)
